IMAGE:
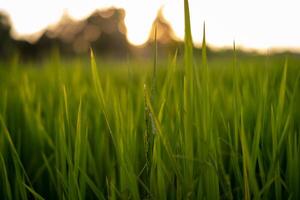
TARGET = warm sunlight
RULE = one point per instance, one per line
(138, 20)
(31, 16)
(149, 99)
(254, 24)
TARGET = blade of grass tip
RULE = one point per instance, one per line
(161, 110)
(234, 53)
(100, 94)
(282, 89)
(206, 91)
(153, 89)
(66, 105)
(236, 99)
(204, 55)
(153, 86)
(188, 99)
(96, 79)
(168, 84)
(188, 41)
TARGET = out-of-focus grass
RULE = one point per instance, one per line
(226, 128)
(80, 132)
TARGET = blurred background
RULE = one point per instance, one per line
(123, 29)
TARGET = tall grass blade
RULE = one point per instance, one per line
(204, 54)
(188, 41)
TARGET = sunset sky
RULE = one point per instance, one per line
(251, 23)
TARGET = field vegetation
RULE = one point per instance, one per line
(182, 128)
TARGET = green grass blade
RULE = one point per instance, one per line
(35, 194)
(188, 41)
(204, 54)
(5, 181)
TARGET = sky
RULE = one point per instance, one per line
(255, 24)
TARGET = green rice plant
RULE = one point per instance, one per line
(223, 128)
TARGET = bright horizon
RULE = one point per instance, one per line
(252, 24)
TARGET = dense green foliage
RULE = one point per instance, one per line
(201, 129)
(75, 133)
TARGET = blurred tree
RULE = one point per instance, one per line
(6, 43)
(104, 30)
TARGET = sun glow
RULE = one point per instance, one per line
(28, 19)
(138, 20)
(253, 24)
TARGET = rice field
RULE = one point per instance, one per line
(184, 128)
